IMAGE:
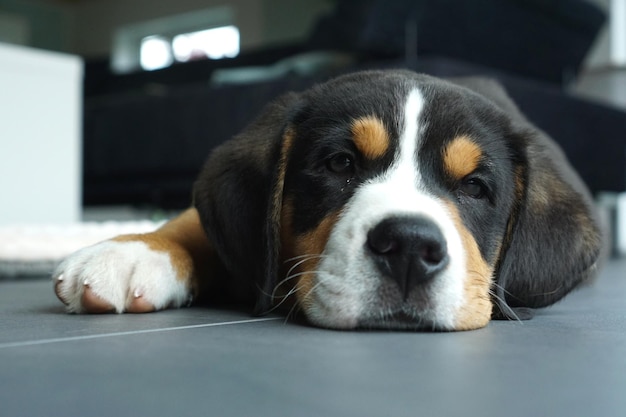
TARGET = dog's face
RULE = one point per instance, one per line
(394, 210)
(392, 201)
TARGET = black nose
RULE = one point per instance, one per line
(409, 249)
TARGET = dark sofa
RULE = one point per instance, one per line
(146, 135)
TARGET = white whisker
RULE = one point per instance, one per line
(293, 310)
(305, 259)
(510, 312)
(304, 256)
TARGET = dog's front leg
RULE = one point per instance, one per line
(137, 273)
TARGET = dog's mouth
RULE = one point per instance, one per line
(398, 320)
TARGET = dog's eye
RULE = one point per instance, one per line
(473, 188)
(340, 163)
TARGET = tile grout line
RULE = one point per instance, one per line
(128, 333)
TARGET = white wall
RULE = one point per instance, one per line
(97, 20)
(14, 29)
(604, 74)
(600, 51)
(40, 136)
(44, 24)
(260, 22)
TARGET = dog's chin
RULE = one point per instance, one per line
(400, 320)
(403, 316)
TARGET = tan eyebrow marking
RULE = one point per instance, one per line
(461, 157)
(370, 136)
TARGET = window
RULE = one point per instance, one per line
(159, 51)
(215, 43)
(155, 53)
(159, 43)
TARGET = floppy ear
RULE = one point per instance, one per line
(239, 197)
(554, 240)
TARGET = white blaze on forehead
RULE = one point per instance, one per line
(347, 278)
(405, 166)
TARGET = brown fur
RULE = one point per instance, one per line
(461, 157)
(370, 137)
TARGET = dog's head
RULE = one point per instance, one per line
(397, 200)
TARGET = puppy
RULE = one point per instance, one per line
(383, 199)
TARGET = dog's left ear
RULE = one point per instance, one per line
(238, 196)
(554, 239)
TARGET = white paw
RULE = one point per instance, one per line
(123, 276)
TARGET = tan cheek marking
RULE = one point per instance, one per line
(461, 157)
(370, 137)
(310, 243)
(476, 310)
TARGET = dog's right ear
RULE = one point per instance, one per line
(239, 198)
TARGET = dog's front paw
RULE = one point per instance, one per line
(132, 274)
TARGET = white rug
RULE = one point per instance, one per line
(28, 250)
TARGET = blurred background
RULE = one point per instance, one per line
(149, 87)
(108, 108)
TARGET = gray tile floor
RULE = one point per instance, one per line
(570, 360)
